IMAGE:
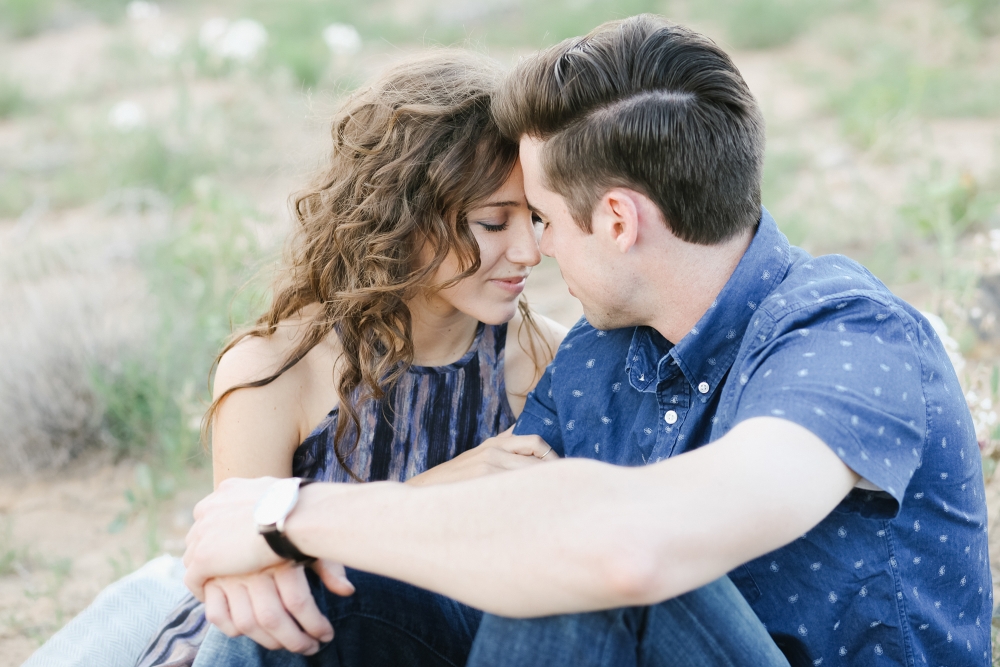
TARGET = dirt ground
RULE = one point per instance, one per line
(60, 525)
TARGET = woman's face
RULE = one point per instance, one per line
(508, 248)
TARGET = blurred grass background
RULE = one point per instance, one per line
(147, 151)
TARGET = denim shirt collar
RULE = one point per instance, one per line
(705, 354)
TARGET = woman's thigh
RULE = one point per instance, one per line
(385, 622)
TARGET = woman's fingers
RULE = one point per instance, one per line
(217, 609)
(293, 588)
(274, 620)
(334, 577)
(527, 445)
(241, 611)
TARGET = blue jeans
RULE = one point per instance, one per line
(387, 622)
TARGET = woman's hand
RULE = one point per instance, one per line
(498, 454)
(275, 608)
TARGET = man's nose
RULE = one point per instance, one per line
(545, 242)
(524, 246)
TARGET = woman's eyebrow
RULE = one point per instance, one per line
(500, 204)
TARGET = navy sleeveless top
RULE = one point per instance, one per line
(430, 416)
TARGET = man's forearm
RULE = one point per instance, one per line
(580, 535)
(513, 544)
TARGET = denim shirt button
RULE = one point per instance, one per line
(670, 417)
(703, 387)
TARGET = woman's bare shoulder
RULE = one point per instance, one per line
(538, 344)
(255, 430)
(256, 357)
(529, 349)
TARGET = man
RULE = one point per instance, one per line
(777, 417)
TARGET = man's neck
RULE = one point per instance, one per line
(698, 274)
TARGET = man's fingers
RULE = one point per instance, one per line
(334, 577)
(274, 619)
(293, 588)
(217, 609)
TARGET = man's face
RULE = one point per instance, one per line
(588, 262)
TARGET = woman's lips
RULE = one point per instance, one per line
(513, 285)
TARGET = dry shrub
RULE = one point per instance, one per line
(68, 311)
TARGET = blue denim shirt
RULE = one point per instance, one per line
(895, 577)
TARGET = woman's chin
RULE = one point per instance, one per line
(497, 315)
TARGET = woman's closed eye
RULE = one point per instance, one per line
(492, 225)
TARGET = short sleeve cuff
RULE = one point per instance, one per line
(876, 466)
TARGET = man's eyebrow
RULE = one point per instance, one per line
(535, 209)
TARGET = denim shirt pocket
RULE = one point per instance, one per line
(745, 583)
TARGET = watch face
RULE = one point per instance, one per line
(277, 502)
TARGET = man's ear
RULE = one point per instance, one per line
(620, 212)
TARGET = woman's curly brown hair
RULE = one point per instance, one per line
(411, 153)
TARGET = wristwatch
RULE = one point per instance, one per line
(270, 514)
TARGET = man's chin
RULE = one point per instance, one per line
(606, 320)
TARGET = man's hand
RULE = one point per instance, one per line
(498, 454)
(275, 608)
(224, 539)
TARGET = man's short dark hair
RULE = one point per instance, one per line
(649, 105)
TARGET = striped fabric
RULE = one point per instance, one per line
(113, 630)
(432, 415)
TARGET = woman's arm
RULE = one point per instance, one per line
(256, 430)
(255, 433)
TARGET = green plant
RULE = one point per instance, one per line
(983, 16)
(944, 207)
(24, 18)
(764, 24)
(12, 98)
(295, 40)
(144, 158)
(145, 498)
(107, 10)
(193, 273)
(891, 85)
(781, 170)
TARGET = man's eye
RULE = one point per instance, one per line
(492, 227)
(536, 220)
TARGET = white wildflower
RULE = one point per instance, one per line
(240, 40)
(165, 47)
(127, 116)
(950, 344)
(342, 39)
(140, 10)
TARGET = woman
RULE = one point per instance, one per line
(399, 309)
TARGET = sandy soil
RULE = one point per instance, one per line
(58, 525)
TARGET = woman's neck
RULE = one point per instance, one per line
(441, 333)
